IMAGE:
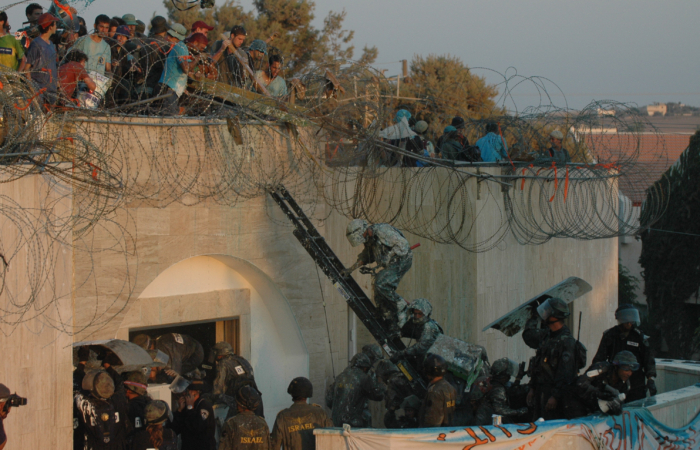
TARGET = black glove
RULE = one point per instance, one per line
(396, 357)
(367, 270)
(651, 385)
(522, 411)
(615, 408)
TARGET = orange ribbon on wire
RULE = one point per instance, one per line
(556, 182)
(566, 183)
(41, 91)
(65, 9)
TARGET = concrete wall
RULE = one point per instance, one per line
(165, 256)
(35, 300)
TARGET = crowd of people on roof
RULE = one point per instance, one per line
(117, 63)
(410, 135)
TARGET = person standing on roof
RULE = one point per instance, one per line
(388, 247)
(177, 65)
(492, 146)
(557, 152)
(228, 57)
(627, 336)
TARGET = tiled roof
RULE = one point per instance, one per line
(643, 157)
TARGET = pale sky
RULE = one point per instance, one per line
(626, 50)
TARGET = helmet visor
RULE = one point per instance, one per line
(633, 367)
(179, 384)
(356, 238)
(628, 316)
(545, 310)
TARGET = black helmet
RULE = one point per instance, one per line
(434, 365)
(248, 397)
(553, 307)
(627, 313)
(386, 368)
(373, 351)
(300, 387)
(361, 361)
(626, 360)
(504, 367)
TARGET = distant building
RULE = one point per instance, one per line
(660, 108)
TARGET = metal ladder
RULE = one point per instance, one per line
(326, 259)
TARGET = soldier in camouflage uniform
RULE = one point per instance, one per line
(398, 389)
(410, 406)
(602, 381)
(232, 373)
(185, 353)
(245, 430)
(374, 353)
(386, 246)
(422, 329)
(627, 336)
(554, 369)
(439, 403)
(294, 426)
(348, 394)
(495, 400)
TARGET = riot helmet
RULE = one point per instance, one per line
(553, 307)
(356, 231)
(504, 367)
(434, 365)
(99, 383)
(222, 349)
(627, 314)
(137, 382)
(411, 402)
(373, 351)
(423, 306)
(300, 387)
(386, 368)
(160, 359)
(626, 360)
(361, 361)
(248, 397)
(157, 411)
(144, 341)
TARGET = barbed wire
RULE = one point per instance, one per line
(229, 145)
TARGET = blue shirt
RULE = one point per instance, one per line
(44, 71)
(493, 148)
(174, 75)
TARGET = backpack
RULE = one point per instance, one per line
(580, 355)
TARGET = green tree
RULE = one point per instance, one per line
(626, 285)
(298, 40)
(448, 88)
(670, 256)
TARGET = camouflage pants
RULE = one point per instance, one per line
(391, 305)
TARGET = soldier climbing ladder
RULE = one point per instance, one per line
(326, 259)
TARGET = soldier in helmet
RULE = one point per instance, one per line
(136, 386)
(155, 435)
(603, 387)
(294, 426)
(627, 336)
(398, 389)
(194, 419)
(373, 352)
(386, 246)
(555, 366)
(495, 400)
(422, 329)
(232, 373)
(185, 354)
(245, 430)
(410, 406)
(439, 403)
(104, 422)
(351, 389)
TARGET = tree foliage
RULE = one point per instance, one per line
(299, 41)
(449, 88)
(671, 258)
(626, 286)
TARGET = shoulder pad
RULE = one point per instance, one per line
(317, 405)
